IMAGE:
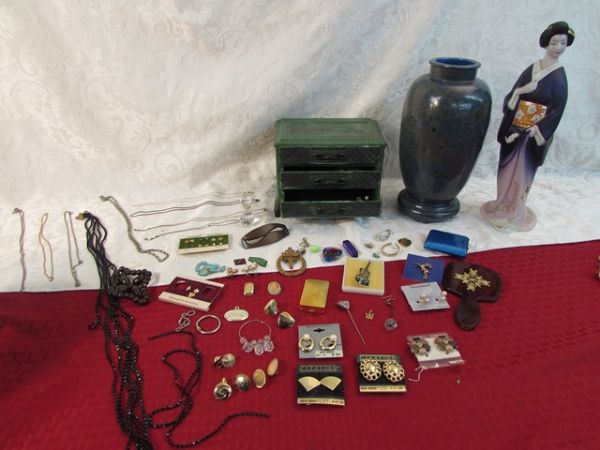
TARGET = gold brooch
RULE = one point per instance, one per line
(472, 279)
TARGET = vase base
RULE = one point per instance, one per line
(427, 212)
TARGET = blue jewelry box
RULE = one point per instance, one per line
(450, 243)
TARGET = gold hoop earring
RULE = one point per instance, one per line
(328, 342)
(306, 343)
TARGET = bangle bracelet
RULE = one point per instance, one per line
(258, 346)
(204, 317)
(390, 253)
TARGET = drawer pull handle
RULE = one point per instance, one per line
(329, 181)
(331, 211)
(336, 157)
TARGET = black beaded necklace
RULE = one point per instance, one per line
(186, 402)
(119, 346)
(122, 351)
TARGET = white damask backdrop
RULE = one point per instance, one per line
(153, 100)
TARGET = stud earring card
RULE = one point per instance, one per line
(201, 244)
(425, 296)
(192, 293)
(380, 374)
(320, 385)
(435, 350)
(325, 341)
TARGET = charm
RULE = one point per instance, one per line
(390, 323)
(185, 320)
(222, 390)
(290, 258)
(362, 277)
(425, 269)
(369, 315)
(236, 314)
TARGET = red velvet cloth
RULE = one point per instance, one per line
(529, 382)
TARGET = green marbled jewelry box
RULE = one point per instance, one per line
(329, 168)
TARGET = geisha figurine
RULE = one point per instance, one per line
(532, 111)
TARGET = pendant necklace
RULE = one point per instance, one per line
(68, 216)
(21, 214)
(46, 243)
(160, 255)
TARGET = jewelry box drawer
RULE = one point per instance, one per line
(368, 157)
(303, 179)
(330, 204)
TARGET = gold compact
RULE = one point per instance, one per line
(314, 296)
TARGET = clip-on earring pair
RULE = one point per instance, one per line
(371, 370)
(307, 344)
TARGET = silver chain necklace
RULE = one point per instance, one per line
(216, 194)
(236, 215)
(212, 224)
(185, 208)
(22, 246)
(68, 216)
(45, 244)
(160, 255)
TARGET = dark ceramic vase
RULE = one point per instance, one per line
(445, 118)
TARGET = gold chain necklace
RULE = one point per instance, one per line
(45, 243)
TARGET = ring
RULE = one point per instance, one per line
(208, 316)
(328, 342)
(306, 343)
(391, 253)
